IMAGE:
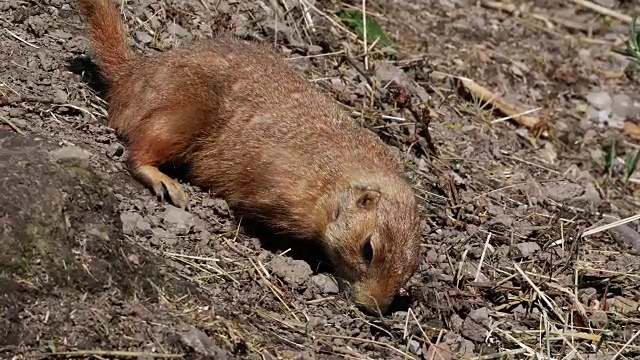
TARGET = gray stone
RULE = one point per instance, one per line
(115, 150)
(458, 344)
(527, 249)
(70, 153)
(163, 236)
(562, 190)
(622, 105)
(599, 319)
(440, 351)
(386, 73)
(476, 325)
(626, 236)
(177, 221)
(143, 37)
(414, 347)
(601, 100)
(134, 224)
(325, 284)
(295, 272)
(175, 29)
(202, 344)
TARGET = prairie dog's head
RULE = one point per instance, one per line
(373, 241)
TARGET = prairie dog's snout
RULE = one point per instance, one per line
(260, 136)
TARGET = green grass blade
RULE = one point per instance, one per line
(353, 19)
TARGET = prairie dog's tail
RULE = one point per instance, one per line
(107, 34)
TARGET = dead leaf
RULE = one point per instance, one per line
(632, 129)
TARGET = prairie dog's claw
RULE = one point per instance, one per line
(162, 185)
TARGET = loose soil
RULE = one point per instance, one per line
(506, 270)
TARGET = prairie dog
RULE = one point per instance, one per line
(261, 137)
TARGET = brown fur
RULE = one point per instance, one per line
(259, 136)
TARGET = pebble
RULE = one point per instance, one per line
(314, 50)
(476, 325)
(295, 272)
(143, 37)
(178, 30)
(415, 347)
(202, 344)
(527, 249)
(69, 153)
(115, 150)
(439, 352)
(163, 236)
(601, 100)
(177, 221)
(274, 29)
(599, 319)
(325, 284)
(134, 224)
(386, 73)
(458, 344)
(562, 190)
(621, 106)
(626, 236)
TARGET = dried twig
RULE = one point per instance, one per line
(11, 125)
(485, 95)
(604, 11)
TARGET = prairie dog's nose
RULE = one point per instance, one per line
(372, 302)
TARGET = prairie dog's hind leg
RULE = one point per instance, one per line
(163, 140)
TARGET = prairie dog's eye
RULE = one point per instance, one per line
(367, 250)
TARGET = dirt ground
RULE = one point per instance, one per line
(506, 271)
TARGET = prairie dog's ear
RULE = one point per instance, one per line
(367, 197)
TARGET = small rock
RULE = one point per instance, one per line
(458, 344)
(61, 96)
(621, 106)
(295, 272)
(62, 34)
(456, 322)
(314, 49)
(599, 319)
(590, 196)
(162, 235)
(175, 29)
(70, 153)
(273, 29)
(626, 236)
(523, 133)
(562, 190)
(177, 220)
(432, 256)
(143, 37)
(471, 269)
(601, 356)
(115, 150)
(519, 311)
(220, 206)
(600, 100)
(500, 223)
(387, 72)
(439, 352)
(134, 224)
(414, 347)
(202, 344)
(527, 249)
(325, 283)
(476, 325)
